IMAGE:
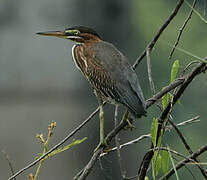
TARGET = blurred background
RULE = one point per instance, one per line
(39, 82)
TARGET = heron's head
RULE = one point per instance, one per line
(78, 34)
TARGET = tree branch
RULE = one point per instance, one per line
(117, 142)
(127, 144)
(187, 147)
(184, 123)
(9, 162)
(183, 162)
(149, 70)
(160, 31)
(181, 29)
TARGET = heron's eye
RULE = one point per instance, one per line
(73, 32)
(76, 32)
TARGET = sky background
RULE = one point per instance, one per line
(39, 82)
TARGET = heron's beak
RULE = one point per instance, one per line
(60, 34)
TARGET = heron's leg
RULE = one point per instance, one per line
(102, 142)
(101, 117)
(128, 121)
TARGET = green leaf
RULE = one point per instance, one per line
(171, 96)
(178, 101)
(174, 70)
(153, 164)
(173, 164)
(146, 178)
(59, 150)
(165, 99)
(165, 161)
(153, 171)
(160, 138)
(158, 164)
(154, 128)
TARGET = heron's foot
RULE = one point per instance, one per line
(129, 124)
(128, 120)
(102, 145)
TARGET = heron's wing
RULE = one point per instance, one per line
(95, 71)
(126, 82)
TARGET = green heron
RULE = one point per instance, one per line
(107, 70)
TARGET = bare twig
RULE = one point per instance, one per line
(149, 70)
(181, 29)
(187, 147)
(165, 90)
(188, 65)
(183, 162)
(123, 172)
(127, 144)
(9, 162)
(184, 123)
(190, 121)
(130, 178)
(160, 31)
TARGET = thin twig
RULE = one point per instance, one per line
(184, 123)
(117, 142)
(174, 152)
(187, 147)
(181, 29)
(160, 31)
(9, 162)
(183, 162)
(189, 121)
(149, 70)
(126, 144)
(188, 65)
(165, 90)
(130, 178)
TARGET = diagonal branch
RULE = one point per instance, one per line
(160, 31)
(134, 141)
(9, 162)
(183, 162)
(182, 28)
(117, 142)
(149, 69)
(187, 146)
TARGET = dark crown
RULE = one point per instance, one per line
(83, 29)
